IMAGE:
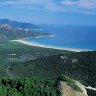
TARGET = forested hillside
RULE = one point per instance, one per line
(19, 60)
(31, 86)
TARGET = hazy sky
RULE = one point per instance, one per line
(61, 12)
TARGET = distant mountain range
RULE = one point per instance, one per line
(10, 30)
(18, 24)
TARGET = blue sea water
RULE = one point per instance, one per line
(79, 37)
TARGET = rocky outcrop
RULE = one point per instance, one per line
(75, 88)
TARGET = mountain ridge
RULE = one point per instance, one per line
(18, 24)
(10, 30)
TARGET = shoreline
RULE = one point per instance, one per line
(50, 47)
(49, 36)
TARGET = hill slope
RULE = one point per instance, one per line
(11, 32)
(49, 63)
(18, 24)
(36, 86)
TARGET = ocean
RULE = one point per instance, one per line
(76, 37)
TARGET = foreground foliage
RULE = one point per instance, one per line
(31, 86)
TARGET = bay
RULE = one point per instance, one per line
(76, 37)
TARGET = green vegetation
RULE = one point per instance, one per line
(75, 87)
(48, 63)
(31, 86)
(66, 79)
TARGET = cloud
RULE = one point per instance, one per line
(87, 3)
(80, 3)
(69, 3)
(80, 6)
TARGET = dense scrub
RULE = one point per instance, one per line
(33, 61)
(31, 86)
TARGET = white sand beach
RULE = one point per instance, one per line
(51, 47)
